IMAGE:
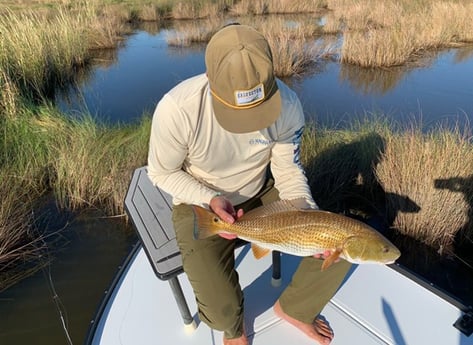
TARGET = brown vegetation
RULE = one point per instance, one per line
(435, 171)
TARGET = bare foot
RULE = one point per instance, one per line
(236, 341)
(319, 330)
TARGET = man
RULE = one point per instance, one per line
(212, 140)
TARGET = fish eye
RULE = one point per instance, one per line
(385, 249)
(215, 220)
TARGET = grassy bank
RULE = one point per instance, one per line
(82, 161)
(86, 164)
(434, 171)
(421, 183)
(389, 33)
(373, 33)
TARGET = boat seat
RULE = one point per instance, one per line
(150, 211)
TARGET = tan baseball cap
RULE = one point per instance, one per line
(245, 95)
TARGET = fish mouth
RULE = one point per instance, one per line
(390, 262)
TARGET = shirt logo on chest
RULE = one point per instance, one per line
(259, 141)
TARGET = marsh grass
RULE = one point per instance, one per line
(18, 243)
(195, 10)
(294, 46)
(23, 179)
(36, 55)
(420, 183)
(106, 27)
(90, 163)
(435, 171)
(391, 33)
(40, 52)
(9, 97)
(102, 164)
(186, 33)
(292, 55)
(86, 164)
(289, 47)
(340, 165)
(262, 7)
(375, 33)
(24, 153)
(150, 12)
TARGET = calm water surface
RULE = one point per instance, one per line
(130, 81)
(332, 95)
(60, 300)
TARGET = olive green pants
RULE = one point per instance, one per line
(210, 267)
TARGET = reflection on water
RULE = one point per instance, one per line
(438, 94)
(143, 70)
(433, 90)
(463, 54)
(372, 81)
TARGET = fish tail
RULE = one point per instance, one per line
(206, 223)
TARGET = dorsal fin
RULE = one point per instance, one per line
(275, 207)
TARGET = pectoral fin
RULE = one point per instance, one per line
(258, 251)
(331, 259)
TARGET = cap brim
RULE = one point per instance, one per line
(248, 120)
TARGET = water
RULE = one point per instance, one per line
(438, 91)
(125, 88)
(437, 94)
(59, 301)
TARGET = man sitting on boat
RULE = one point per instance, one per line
(212, 140)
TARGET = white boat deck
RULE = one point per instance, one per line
(375, 305)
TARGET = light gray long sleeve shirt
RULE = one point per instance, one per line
(193, 158)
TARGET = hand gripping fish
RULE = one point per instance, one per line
(302, 232)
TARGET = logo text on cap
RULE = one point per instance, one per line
(248, 97)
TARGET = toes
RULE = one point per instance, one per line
(322, 328)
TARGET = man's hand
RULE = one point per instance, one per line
(223, 208)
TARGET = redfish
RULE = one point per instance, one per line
(302, 232)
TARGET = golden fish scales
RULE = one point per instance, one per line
(283, 227)
(301, 229)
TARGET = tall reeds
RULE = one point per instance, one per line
(93, 163)
(291, 44)
(18, 243)
(421, 183)
(261, 7)
(435, 171)
(391, 33)
(37, 53)
(186, 33)
(84, 163)
(23, 179)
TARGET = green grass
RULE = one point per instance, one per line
(37, 54)
(85, 163)
(93, 163)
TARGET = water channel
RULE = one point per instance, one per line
(131, 81)
(60, 300)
